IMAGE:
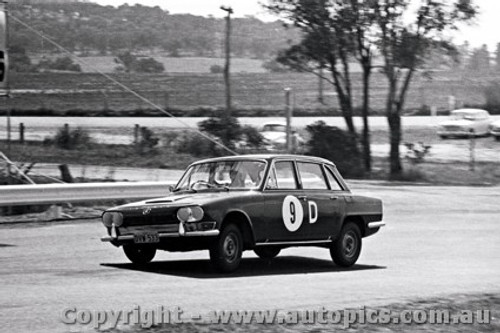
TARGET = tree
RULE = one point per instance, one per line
(335, 33)
(497, 58)
(403, 45)
(479, 61)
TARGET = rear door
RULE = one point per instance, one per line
(325, 203)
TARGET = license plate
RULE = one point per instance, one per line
(147, 238)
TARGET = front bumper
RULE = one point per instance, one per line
(115, 237)
(377, 224)
(125, 238)
(459, 133)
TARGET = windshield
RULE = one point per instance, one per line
(223, 175)
(274, 128)
(464, 115)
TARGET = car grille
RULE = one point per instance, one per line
(453, 128)
(165, 228)
(150, 220)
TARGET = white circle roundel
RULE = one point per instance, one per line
(292, 213)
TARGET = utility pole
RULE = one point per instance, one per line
(227, 82)
(289, 115)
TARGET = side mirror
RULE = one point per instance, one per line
(170, 188)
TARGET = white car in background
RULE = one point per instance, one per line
(274, 134)
(495, 129)
(464, 123)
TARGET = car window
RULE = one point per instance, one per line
(282, 176)
(311, 176)
(223, 175)
(334, 184)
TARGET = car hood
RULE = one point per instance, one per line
(273, 136)
(495, 123)
(461, 122)
(182, 200)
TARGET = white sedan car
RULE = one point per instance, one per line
(275, 136)
(495, 129)
(465, 122)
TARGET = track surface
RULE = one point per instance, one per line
(439, 241)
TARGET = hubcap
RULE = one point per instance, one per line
(230, 248)
(350, 244)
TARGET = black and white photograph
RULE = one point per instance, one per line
(281, 166)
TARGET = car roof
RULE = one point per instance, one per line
(469, 111)
(267, 157)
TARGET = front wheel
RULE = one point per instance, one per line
(345, 250)
(226, 253)
(267, 252)
(139, 254)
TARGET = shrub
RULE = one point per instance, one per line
(148, 65)
(492, 95)
(226, 129)
(60, 64)
(196, 145)
(71, 139)
(216, 69)
(337, 146)
(147, 141)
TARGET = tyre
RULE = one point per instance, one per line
(267, 252)
(139, 254)
(346, 248)
(226, 253)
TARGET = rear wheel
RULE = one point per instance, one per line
(346, 249)
(226, 253)
(267, 252)
(139, 254)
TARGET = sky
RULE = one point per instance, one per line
(485, 30)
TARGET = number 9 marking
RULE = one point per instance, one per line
(292, 213)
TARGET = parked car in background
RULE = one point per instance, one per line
(495, 129)
(274, 134)
(263, 203)
(465, 123)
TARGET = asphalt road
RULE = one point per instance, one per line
(439, 242)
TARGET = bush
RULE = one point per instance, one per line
(337, 146)
(274, 66)
(60, 64)
(147, 141)
(71, 139)
(148, 65)
(492, 95)
(226, 129)
(216, 69)
(196, 145)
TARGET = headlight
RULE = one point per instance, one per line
(110, 218)
(190, 214)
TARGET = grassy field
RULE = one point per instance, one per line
(252, 93)
(198, 65)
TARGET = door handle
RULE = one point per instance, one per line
(302, 197)
(334, 197)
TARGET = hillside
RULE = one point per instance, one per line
(87, 28)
